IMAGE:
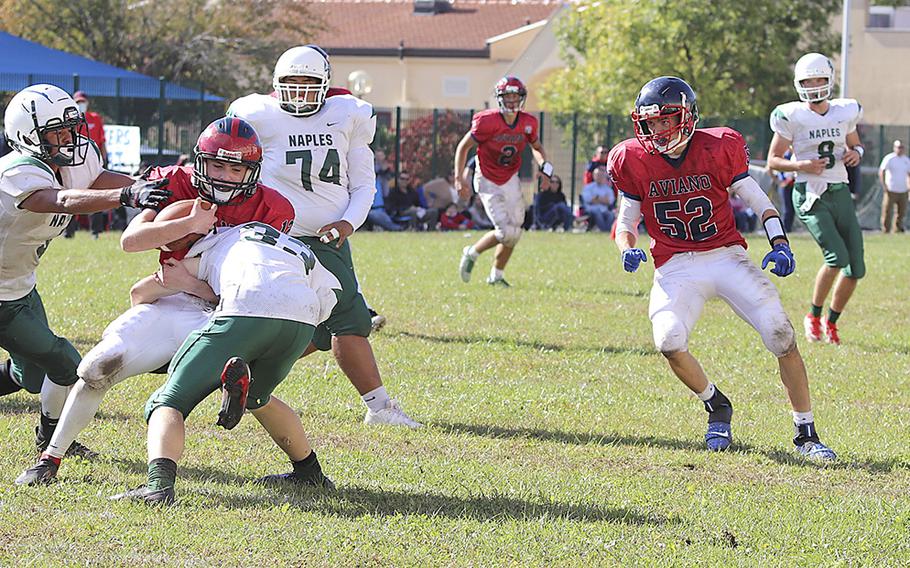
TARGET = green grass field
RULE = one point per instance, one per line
(556, 435)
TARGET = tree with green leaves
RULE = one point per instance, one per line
(738, 56)
(229, 47)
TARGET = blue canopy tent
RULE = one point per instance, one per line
(23, 63)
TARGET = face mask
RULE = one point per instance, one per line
(83, 106)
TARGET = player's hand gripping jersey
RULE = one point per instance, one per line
(24, 235)
(258, 271)
(500, 146)
(816, 136)
(265, 205)
(322, 163)
(687, 206)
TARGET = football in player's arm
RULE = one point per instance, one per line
(678, 178)
(822, 133)
(500, 136)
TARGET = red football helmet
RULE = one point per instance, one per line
(510, 85)
(231, 140)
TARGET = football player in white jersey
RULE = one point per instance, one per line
(317, 154)
(273, 292)
(52, 173)
(822, 132)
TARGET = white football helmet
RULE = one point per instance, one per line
(810, 66)
(302, 61)
(36, 110)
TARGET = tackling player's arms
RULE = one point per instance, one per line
(173, 277)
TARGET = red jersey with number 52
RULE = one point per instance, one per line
(266, 205)
(499, 145)
(685, 202)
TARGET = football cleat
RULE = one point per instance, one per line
(816, 451)
(235, 384)
(78, 450)
(392, 415)
(45, 431)
(292, 478)
(42, 473)
(500, 282)
(813, 327)
(831, 335)
(142, 493)
(377, 320)
(719, 436)
(466, 266)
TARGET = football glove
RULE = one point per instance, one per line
(783, 259)
(145, 194)
(631, 258)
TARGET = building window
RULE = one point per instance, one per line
(456, 86)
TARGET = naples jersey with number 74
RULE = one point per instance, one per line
(314, 155)
(685, 199)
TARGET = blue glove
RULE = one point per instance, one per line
(782, 257)
(631, 258)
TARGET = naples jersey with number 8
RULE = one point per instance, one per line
(818, 136)
(500, 145)
(307, 158)
(686, 206)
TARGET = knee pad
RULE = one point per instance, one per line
(670, 335)
(100, 369)
(778, 336)
(508, 236)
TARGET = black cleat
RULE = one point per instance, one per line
(235, 384)
(42, 473)
(142, 493)
(78, 450)
(320, 480)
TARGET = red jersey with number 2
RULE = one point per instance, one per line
(685, 202)
(499, 146)
(266, 205)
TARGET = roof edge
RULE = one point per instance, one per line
(410, 52)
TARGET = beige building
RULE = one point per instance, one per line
(449, 54)
(878, 75)
(434, 53)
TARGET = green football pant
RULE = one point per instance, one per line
(833, 224)
(269, 346)
(350, 316)
(34, 349)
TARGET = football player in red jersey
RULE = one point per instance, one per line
(500, 136)
(145, 337)
(680, 179)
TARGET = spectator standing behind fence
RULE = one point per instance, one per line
(599, 200)
(94, 129)
(551, 209)
(893, 174)
(599, 160)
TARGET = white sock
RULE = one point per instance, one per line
(53, 397)
(800, 418)
(81, 407)
(707, 394)
(496, 274)
(376, 399)
(472, 252)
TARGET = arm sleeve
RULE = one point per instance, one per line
(780, 124)
(617, 175)
(737, 156)
(851, 126)
(535, 127)
(629, 215)
(23, 180)
(752, 195)
(477, 130)
(361, 185)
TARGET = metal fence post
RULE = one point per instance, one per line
(433, 161)
(397, 143)
(75, 82)
(540, 128)
(609, 140)
(201, 107)
(119, 115)
(161, 85)
(574, 153)
(881, 141)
